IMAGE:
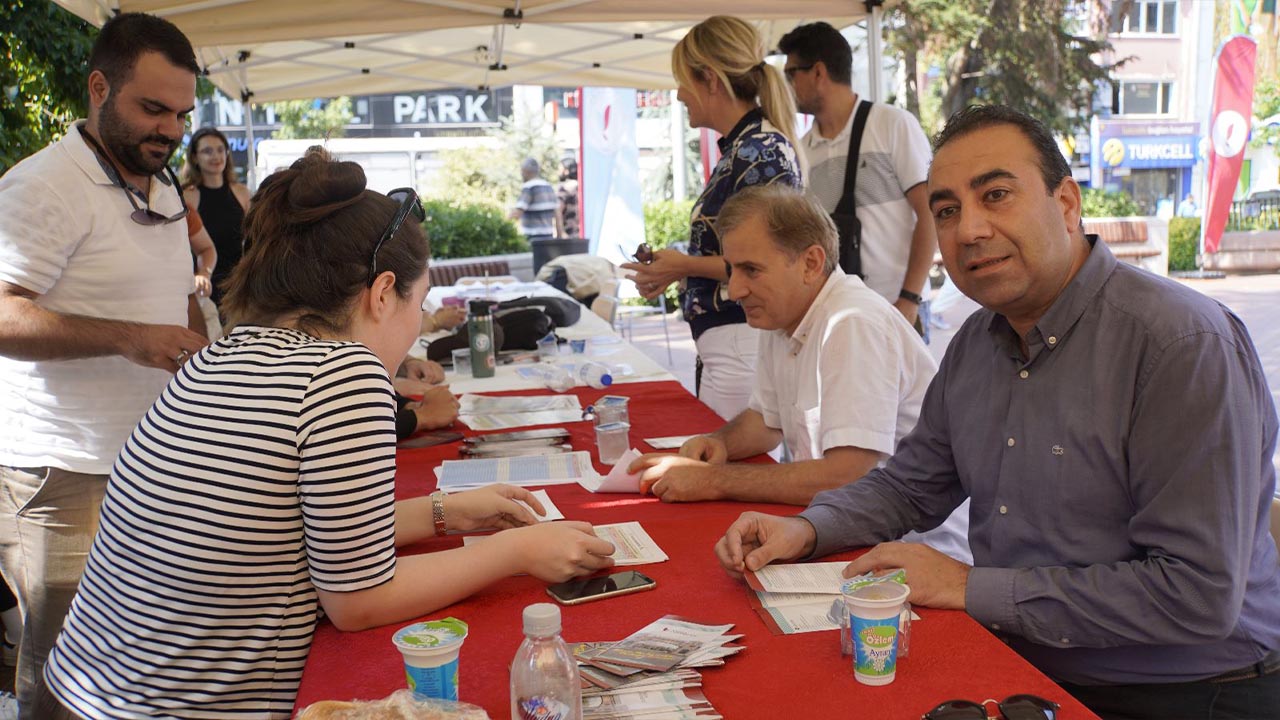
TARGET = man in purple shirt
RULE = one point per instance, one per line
(1115, 433)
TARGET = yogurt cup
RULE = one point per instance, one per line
(875, 613)
(430, 651)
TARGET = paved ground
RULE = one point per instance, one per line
(1255, 298)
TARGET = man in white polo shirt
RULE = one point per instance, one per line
(898, 237)
(839, 380)
(95, 283)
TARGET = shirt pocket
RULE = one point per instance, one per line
(803, 432)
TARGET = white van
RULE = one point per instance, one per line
(388, 163)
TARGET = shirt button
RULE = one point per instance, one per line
(1010, 442)
(1024, 374)
(995, 626)
(1004, 509)
(1066, 640)
(1053, 340)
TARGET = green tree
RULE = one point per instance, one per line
(44, 51)
(491, 175)
(1266, 106)
(1035, 55)
(305, 119)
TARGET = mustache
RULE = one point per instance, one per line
(160, 140)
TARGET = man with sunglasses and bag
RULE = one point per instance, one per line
(877, 202)
(1115, 433)
(95, 284)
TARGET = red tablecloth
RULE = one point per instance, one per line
(804, 675)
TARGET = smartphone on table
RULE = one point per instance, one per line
(583, 590)
(552, 435)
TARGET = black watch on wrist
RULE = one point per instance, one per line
(908, 295)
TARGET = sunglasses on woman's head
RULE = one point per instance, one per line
(409, 203)
(1014, 707)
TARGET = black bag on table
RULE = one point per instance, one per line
(563, 311)
(845, 215)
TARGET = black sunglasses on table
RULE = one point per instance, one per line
(141, 215)
(409, 203)
(1014, 707)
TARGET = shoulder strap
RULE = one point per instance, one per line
(846, 204)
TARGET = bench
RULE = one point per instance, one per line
(1127, 237)
(447, 272)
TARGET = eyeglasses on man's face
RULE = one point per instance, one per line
(1014, 707)
(409, 204)
(790, 72)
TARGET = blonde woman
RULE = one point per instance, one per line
(209, 184)
(727, 86)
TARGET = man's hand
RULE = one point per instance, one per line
(672, 478)
(426, 371)
(437, 409)
(653, 278)
(160, 346)
(755, 540)
(936, 581)
(908, 309)
(706, 448)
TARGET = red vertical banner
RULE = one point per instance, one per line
(1229, 131)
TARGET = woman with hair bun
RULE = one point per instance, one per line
(727, 86)
(259, 488)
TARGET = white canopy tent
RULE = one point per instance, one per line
(269, 50)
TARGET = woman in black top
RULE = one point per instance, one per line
(209, 181)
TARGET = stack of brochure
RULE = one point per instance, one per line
(651, 673)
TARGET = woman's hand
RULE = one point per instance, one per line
(448, 317)
(426, 371)
(437, 409)
(557, 551)
(652, 278)
(493, 506)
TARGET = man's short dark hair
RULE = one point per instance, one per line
(125, 37)
(820, 42)
(1053, 166)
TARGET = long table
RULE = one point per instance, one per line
(802, 676)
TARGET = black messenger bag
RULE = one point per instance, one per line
(845, 217)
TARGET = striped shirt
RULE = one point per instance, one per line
(539, 202)
(264, 471)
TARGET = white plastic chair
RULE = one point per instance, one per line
(606, 306)
(626, 314)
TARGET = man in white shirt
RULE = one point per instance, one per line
(898, 238)
(95, 284)
(839, 380)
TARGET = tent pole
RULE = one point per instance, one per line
(250, 172)
(875, 62)
(678, 185)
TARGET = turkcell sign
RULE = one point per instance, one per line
(1159, 152)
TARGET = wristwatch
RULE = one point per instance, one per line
(906, 294)
(437, 511)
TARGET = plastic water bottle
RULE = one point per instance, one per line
(553, 377)
(595, 374)
(544, 676)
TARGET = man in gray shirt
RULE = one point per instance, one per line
(1115, 433)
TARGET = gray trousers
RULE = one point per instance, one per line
(48, 518)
